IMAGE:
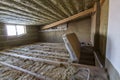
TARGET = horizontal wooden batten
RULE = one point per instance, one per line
(81, 14)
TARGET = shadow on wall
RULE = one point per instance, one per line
(103, 39)
(100, 47)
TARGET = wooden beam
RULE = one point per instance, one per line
(101, 2)
(95, 7)
(39, 76)
(81, 14)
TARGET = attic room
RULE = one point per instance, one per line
(59, 40)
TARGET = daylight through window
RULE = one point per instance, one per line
(13, 30)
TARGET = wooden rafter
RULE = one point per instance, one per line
(81, 14)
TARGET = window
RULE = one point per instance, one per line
(13, 30)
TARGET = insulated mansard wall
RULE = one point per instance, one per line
(6, 42)
(82, 28)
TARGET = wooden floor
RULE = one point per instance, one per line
(44, 61)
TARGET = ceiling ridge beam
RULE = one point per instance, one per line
(81, 14)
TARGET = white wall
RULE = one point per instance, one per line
(113, 38)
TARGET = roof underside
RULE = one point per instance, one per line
(40, 12)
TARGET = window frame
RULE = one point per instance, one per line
(18, 35)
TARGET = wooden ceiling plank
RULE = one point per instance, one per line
(35, 10)
(41, 3)
(72, 6)
(22, 7)
(22, 17)
(40, 9)
(60, 4)
(34, 18)
(14, 15)
(67, 7)
(44, 11)
(47, 10)
(89, 3)
(17, 18)
(14, 21)
(7, 8)
(78, 5)
(51, 5)
(81, 14)
(63, 7)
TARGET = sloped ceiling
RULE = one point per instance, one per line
(40, 12)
